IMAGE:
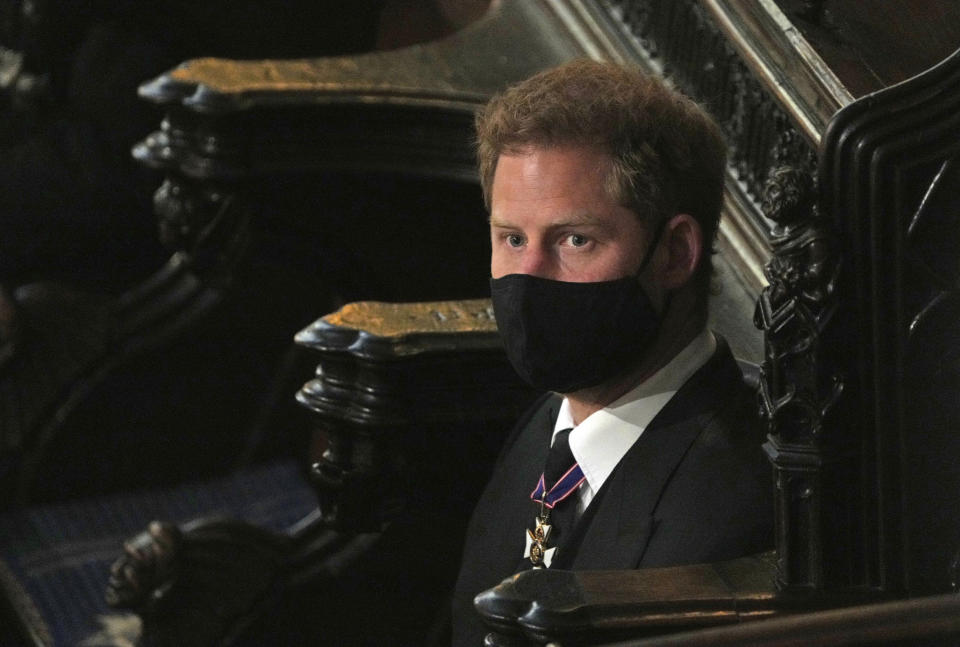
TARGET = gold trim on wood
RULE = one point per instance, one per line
(401, 319)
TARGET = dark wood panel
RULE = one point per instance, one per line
(871, 44)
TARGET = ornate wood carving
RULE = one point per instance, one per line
(860, 359)
(391, 372)
(682, 41)
(214, 145)
(200, 221)
(210, 580)
(397, 386)
(797, 386)
(369, 112)
(848, 350)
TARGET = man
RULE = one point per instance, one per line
(605, 188)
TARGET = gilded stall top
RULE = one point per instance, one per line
(402, 319)
(511, 42)
(370, 74)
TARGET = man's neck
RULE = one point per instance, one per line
(676, 331)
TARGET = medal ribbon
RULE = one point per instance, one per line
(563, 488)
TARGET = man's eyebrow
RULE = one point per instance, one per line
(575, 220)
(585, 219)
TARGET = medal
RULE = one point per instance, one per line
(536, 551)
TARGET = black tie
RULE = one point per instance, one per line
(559, 461)
(559, 458)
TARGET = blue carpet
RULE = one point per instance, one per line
(56, 558)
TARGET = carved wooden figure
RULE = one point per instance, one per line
(796, 390)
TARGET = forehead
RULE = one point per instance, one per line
(572, 177)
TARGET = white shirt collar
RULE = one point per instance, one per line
(604, 437)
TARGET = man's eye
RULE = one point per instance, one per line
(577, 240)
(515, 240)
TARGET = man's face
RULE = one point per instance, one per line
(552, 217)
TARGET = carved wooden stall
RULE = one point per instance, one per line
(83, 325)
(859, 357)
(408, 441)
(369, 171)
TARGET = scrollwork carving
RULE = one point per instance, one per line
(199, 584)
(204, 221)
(146, 571)
(677, 38)
(185, 211)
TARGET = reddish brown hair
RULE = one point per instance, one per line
(668, 153)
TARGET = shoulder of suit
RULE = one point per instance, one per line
(543, 411)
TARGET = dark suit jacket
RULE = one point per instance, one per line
(694, 488)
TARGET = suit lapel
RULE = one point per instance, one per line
(617, 526)
(617, 532)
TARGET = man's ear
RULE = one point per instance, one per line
(683, 242)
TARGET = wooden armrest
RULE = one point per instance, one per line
(581, 607)
(933, 620)
(403, 391)
(461, 68)
(398, 364)
(408, 110)
(412, 400)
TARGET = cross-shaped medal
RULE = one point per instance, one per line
(536, 551)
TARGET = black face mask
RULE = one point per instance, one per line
(562, 336)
